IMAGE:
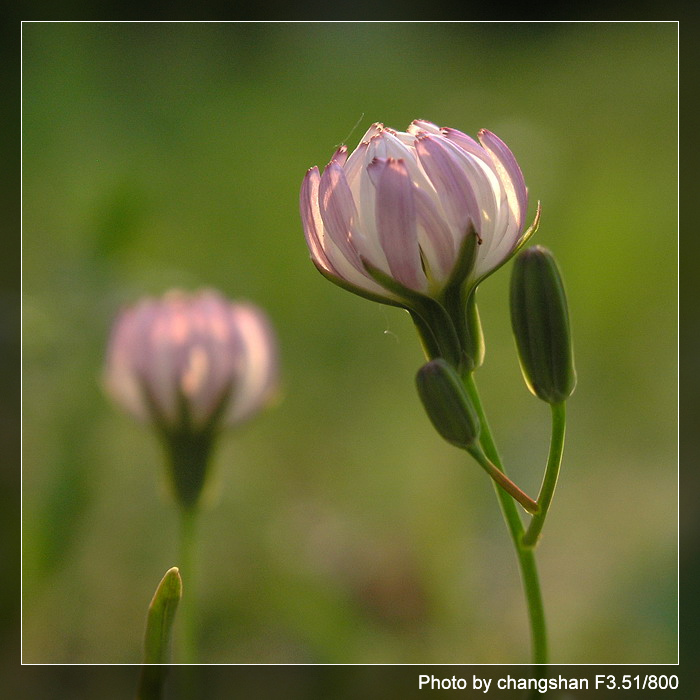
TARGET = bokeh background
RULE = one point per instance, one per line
(338, 527)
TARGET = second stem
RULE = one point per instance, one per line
(188, 625)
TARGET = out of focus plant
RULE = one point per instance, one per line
(188, 365)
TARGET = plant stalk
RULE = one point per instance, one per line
(188, 620)
(551, 474)
(502, 480)
(525, 555)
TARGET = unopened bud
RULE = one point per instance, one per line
(190, 364)
(540, 320)
(447, 403)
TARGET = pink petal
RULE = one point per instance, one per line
(355, 162)
(324, 252)
(395, 213)
(466, 143)
(418, 125)
(340, 156)
(338, 211)
(375, 169)
(450, 181)
(257, 377)
(119, 378)
(311, 218)
(434, 237)
(508, 170)
(212, 374)
(373, 130)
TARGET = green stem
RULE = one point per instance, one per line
(549, 483)
(188, 626)
(526, 555)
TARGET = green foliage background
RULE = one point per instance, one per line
(338, 527)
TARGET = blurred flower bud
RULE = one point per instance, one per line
(540, 320)
(447, 404)
(190, 363)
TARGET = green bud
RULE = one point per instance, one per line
(540, 320)
(447, 404)
(159, 625)
(161, 615)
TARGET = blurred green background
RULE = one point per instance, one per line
(338, 527)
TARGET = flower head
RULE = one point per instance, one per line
(190, 362)
(395, 217)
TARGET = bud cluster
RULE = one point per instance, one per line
(418, 219)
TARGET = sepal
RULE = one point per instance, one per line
(459, 300)
(435, 327)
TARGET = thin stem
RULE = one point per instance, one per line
(502, 480)
(549, 482)
(188, 626)
(526, 556)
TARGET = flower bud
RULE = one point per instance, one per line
(402, 203)
(185, 360)
(189, 364)
(447, 404)
(159, 621)
(417, 219)
(540, 320)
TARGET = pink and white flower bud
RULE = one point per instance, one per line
(189, 362)
(402, 204)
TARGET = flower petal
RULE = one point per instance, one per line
(466, 143)
(325, 253)
(338, 211)
(373, 130)
(391, 146)
(120, 377)
(452, 185)
(341, 155)
(395, 213)
(489, 194)
(434, 238)
(509, 172)
(311, 218)
(258, 376)
(215, 359)
(353, 166)
(419, 125)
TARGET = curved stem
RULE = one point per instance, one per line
(188, 628)
(526, 555)
(502, 480)
(549, 482)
